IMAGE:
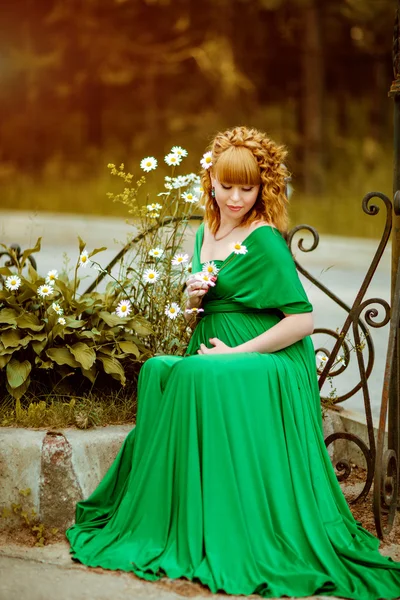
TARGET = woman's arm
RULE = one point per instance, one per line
(289, 330)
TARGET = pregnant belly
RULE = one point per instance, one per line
(231, 328)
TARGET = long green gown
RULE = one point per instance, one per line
(225, 478)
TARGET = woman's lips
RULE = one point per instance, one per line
(234, 208)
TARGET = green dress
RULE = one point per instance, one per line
(225, 478)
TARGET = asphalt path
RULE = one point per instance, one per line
(339, 263)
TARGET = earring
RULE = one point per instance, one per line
(213, 192)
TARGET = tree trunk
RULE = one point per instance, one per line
(311, 98)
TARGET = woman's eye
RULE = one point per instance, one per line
(226, 187)
(247, 189)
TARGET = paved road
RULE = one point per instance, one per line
(48, 574)
(339, 263)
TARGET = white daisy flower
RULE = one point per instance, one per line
(61, 321)
(194, 310)
(321, 359)
(45, 290)
(210, 268)
(193, 178)
(155, 207)
(179, 151)
(173, 159)
(205, 278)
(151, 276)
(180, 181)
(156, 252)
(180, 259)
(189, 197)
(52, 276)
(148, 164)
(13, 283)
(57, 308)
(124, 308)
(206, 161)
(188, 268)
(341, 359)
(84, 259)
(172, 310)
(239, 248)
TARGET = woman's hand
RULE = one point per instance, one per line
(195, 290)
(219, 348)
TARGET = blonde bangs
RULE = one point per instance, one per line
(237, 166)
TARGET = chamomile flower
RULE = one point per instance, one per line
(155, 207)
(148, 164)
(321, 359)
(341, 359)
(194, 310)
(173, 160)
(156, 252)
(179, 151)
(239, 248)
(151, 276)
(45, 290)
(52, 276)
(206, 161)
(205, 278)
(189, 197)
(210, 268)
(61, 321)
(179, 259)
(84, 259)
(124, 308)
(13, 283)
(179, 181)
(57, 308)
(172, 310)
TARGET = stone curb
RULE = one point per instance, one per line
(62, 467)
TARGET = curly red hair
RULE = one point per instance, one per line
(243, 156)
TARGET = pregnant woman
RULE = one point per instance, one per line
(225, 478)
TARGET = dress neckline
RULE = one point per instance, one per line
(220, 260)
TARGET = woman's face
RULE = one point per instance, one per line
(234, 201)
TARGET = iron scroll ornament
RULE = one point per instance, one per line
(359, 325)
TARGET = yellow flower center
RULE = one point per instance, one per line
(83, 259)
(13, 282)
(208, 159)
(123, 308)
(172, 310)
(210, 269)
(151, 275)
(149, 163)
(237, 246)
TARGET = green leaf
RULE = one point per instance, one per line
(29, 321)
(97, 250)
(32, 273)
(129, 348)
(17, 372)
(141, 327)
(90, 373)
(30, 251)
(113, 367)
(10, 338)
(4, 359)
(18, 392)
(74, 323)
(111, 319)
(5, 270)
(62, 356)
(83, 354)
(82, 245)
(8, 315)
(38, 345)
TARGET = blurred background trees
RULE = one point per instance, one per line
(86, 82)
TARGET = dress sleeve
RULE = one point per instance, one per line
(268, 277)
